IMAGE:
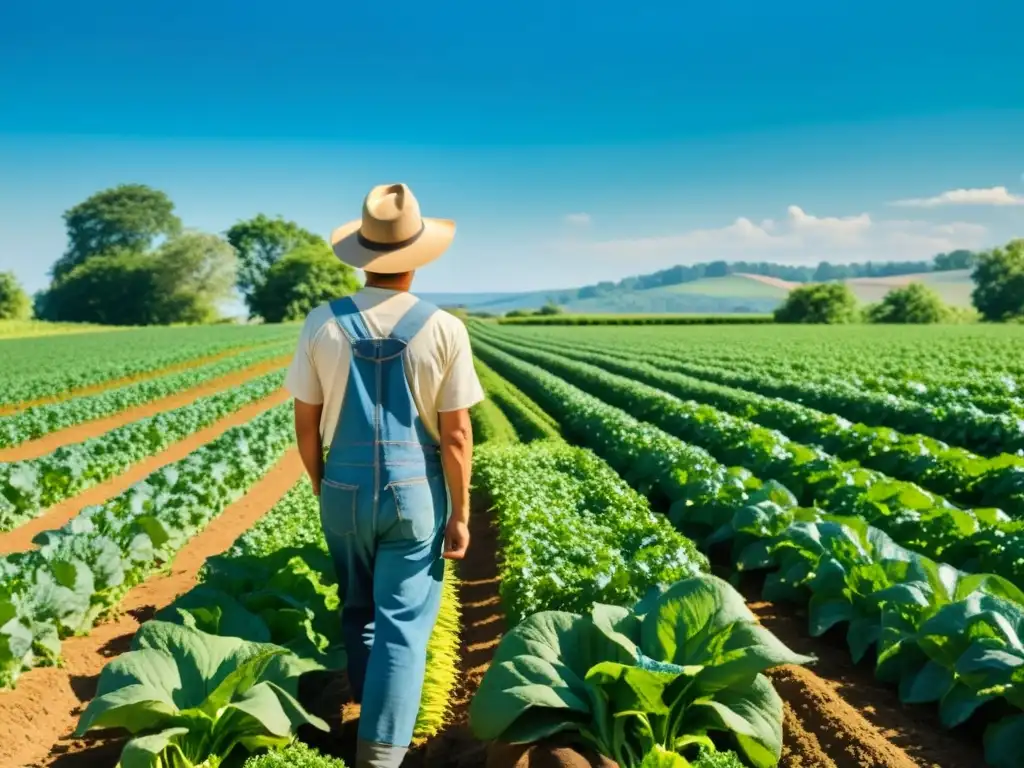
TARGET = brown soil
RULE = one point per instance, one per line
(80, 432)
(37, 717)
(21, 537)
(838, 714)
(113, 383)
(483, 624)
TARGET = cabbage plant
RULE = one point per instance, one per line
(651, 686)
(192, 699)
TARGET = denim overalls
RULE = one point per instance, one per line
(383, 506)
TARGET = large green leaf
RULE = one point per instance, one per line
(703, 622)
(689, 613)
(752, 715)
(535, 685)
(222, 691)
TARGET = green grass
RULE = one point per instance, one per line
(16, 329)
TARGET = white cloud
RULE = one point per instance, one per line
(578, 219)
(998, 196)
(798, 238)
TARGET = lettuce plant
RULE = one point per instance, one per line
(647, 687)
(191, 699)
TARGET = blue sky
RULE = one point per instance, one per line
(572, 142)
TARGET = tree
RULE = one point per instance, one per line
(126, 218)
(915, 303)
(960, 259)
(260, 243)
(818, 303)
(14, 302)
(117, 288)
(999, 282)
(550, 309)
(194, 271)
(300, 281)
(181, 282)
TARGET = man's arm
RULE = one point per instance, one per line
(307, 435)
(457, 460)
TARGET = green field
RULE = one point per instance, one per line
(684, 509)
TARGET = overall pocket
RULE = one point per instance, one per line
(421, 506)
(338, 508)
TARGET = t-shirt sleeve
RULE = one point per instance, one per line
(301, 381)
(460, 387)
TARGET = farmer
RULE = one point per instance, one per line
(386, 381)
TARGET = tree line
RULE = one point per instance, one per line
(131, 261)
(824, 271)
(998, 297)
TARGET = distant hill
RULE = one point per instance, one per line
(721, 288)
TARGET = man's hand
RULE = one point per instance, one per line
(456, 540)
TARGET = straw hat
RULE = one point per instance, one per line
(391, 236)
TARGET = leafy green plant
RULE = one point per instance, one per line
(191, 699)
(81, 570)
(573, 533)
(662, 678)
(298, 755)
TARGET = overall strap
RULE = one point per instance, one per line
(413, 320)
(349, 319)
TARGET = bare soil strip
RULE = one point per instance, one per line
(38, 717)
(838, 709)
(92, 389)
(483, 625)
(33, 449)
(21, 537)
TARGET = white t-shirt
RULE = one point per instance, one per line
(438, 361)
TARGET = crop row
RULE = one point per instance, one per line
(40, 368)
(963, 476)
(491, 425)
(274, 588)
(80, 571)
(36, 421)
(986, 433)
(983, 539)
(28, 487)
(588, 569)
(937, 631)
(1000, 396)
(573, 533)
(529, 422)
(958, 363)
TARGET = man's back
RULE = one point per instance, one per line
(438, 361)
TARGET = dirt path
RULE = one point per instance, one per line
(54, 517)
(81, 432)
(38, 717)
(483, 624)
(837, 714)
(92, 389)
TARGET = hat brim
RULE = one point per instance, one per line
(436, 237)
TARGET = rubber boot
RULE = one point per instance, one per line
(370, 754)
